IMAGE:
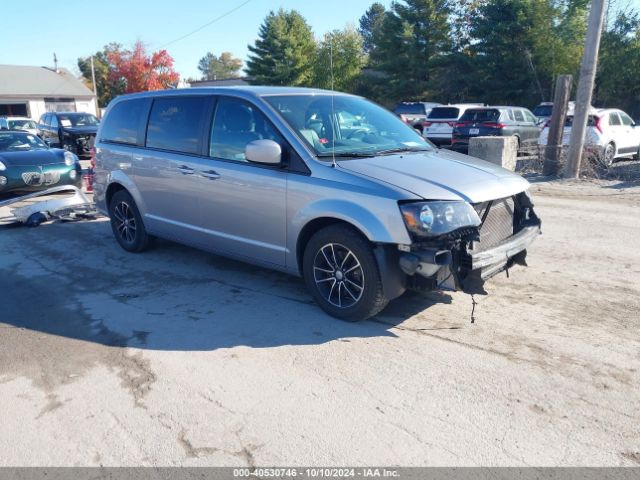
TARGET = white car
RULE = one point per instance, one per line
(18, 123)
(611, 134)
(438, 126)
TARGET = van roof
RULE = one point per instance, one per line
(255, 91)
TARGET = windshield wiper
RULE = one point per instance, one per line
(347, 155)
(401, 150)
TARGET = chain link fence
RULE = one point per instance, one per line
(531, 161)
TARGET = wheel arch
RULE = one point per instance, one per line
(314, 226)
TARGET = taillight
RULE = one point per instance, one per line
(92, 153)
(451, 124)
(461, 124)
(598, 124)
(427, 124)
(494, 125)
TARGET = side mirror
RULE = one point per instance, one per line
(267, 152)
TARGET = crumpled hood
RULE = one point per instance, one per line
(440, 175)
(32, 157)
(81, 130)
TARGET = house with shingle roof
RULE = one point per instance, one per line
(32, 91)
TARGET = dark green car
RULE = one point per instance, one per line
(27, 164)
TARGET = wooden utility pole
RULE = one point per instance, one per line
(585, 88)
(95, 89)
(553, 150)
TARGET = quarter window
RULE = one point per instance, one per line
(123, 121)
(236, 124)
(175, 123)
(614, 119)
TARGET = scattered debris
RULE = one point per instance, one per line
(65, 203)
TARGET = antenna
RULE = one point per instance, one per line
(55, 62)
(333, 111)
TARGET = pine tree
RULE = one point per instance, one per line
(284, 51)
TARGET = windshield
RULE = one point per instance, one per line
(346, 126)
(480, 116)
(78, 120)
(15, 142)
(444, 112)
(21, 124)
(543, 110)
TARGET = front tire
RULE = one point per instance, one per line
(342, 274)
(126, 223)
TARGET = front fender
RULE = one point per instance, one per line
(385, 226)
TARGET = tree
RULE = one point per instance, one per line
(520, 46)
(213, 67)
(137, 71)
(617, 83)
(284, 51)
(340, 72)
(413, 43)
(371, 25)
(105, 88)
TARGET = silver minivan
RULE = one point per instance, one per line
(324, 185)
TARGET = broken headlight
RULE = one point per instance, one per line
(430, 219)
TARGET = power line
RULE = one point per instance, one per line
(206, 24)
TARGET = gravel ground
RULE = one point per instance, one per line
(179, 357)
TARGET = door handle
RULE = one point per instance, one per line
(210, 174)
(185, 170)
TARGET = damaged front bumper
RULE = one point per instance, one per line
(466, 259)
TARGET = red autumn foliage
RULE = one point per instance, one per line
(137, 71)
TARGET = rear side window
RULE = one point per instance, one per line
(519, 117)
(175, 124)
(529, 117)
(481, 115)
(444, 112)
(123, 121)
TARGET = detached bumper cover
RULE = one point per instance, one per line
(500, 254)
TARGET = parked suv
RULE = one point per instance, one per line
(279, 177)
(544, 111)
(496, 121)
(73, 131)
(414, 113)
(611, 134)
(438, 127)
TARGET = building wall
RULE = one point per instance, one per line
(37, 107)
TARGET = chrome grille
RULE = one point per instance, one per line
(498, 224)
(35, 179)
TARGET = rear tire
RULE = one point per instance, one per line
(608, 154)
(126, 223)
(342, 274)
